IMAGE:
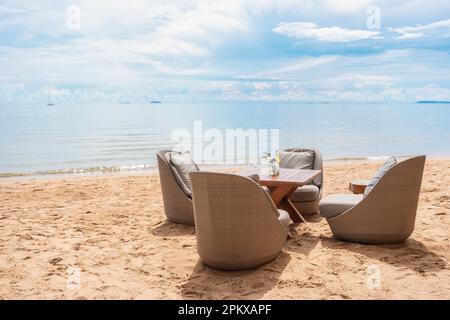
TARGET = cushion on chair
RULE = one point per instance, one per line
(255, 178)
(283, 218)
(181, 164)
(308, 192)
(317, 163)
(392, 161)
(338, 203)
(297, 160)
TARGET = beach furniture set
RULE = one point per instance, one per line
(242, 220)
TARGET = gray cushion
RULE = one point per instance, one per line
(181, 164)
(297, 160)
(338, 203)
(309, 192)
(317, 165)
(283, 218)
(392, 161)
(255, 178)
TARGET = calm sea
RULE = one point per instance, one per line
(37, 139)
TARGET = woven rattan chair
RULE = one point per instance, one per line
(387, 213)
(306, 199)
(237, 225)
(177, 204)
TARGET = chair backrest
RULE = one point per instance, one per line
(391, 205)
(177, 205)
(317, 165)
(236, 221)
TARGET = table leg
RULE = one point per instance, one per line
(280, 196)
(277, 194)
(293, 212)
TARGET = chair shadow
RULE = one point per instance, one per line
(170, 229)
(303, 242)
(411, 254)
(208, 283)
(313, 217)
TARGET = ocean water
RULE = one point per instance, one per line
(38, 139)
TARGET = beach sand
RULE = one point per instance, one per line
(107, 238)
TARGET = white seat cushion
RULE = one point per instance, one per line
(309, 192)
(283, 218)
(336, 204)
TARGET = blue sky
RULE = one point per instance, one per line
(302, 50)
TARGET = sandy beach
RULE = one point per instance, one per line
(111, 231)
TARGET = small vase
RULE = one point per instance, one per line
(274, 168)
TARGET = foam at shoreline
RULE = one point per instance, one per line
(143, 168)
(81, 171)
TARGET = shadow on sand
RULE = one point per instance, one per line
(170, 229)
(411, 254)
(302, 243)
(209, 283)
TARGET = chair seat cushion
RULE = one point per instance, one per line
(309, 192)
(336, 204)
(283, 218)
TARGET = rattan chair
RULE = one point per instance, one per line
(178, 205)
(387, 213)
(237, 224)
(306, 199)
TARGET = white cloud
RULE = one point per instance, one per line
(178, 49)
(421, 30)
(119, 45)
(304, 64)
(309, 30)
(291, 69)
(429, 92)
(347, 7)
(364, 80)
(262, 85)
(410, 36)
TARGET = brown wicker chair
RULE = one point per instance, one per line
(306, 199)
(237, 225)
(387, 213)
(177, 205)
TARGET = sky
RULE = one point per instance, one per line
(249, 50)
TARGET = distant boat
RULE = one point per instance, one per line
(50, 104)
(155, 101)
(433, 102)
(125, 102)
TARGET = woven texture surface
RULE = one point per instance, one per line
(177, 205)
(387, 213)
(307, 208)
(236, 222)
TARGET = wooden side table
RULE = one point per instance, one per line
(358, 186)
